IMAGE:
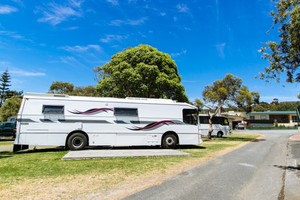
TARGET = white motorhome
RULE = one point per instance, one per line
(220, 125)
(76, 122)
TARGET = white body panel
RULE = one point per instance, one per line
(147, 121)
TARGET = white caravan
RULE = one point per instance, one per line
(220, 125)
(76, 122)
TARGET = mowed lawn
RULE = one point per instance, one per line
(36, 173)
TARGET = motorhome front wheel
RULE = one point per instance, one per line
(77, 141)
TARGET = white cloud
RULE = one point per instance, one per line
(132, 1)
(110, 38)
(113, 2)
(76, 3)
(221, 48)
(182, 52)
(72, 61)
(11, 34)
(280, 98)
(131, 22)
(55, 14)
(162, 14)
(6, 9)
(82, 49)
(22, 73)
(17, 72)
(182, 8)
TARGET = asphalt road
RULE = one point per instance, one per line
(255, 171)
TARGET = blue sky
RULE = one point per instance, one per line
(46, 41)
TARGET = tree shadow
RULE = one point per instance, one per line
(240, 139)
(143, 147)
(6, 139)
(35, 150)
(5, 154)
(190, 147)
(291, 168)
(258, 140)
(120, 148)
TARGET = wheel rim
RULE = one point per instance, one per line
(170, 141)
(77, 142)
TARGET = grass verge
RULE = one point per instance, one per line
(44, 173)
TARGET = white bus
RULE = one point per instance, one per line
(76, 122)
(220, 125)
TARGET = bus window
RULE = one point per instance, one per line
(190, 116)
(204, 119)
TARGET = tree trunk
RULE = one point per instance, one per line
(210, 127)
(218, 110)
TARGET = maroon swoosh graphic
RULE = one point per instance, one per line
(91, 111)
(152, 126)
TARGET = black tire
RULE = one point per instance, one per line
(169, 141)
(220, 134)
(77, 141)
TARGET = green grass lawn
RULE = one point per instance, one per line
(43, 163)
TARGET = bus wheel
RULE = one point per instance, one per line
(77, 141)
(169, 141)
(220, 134)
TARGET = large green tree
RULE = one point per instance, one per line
(142, 71)
(280, 106)
(225, 91)
(284, 55)
(60, 87)
(10, 107)
(245, 100)
(90, 91)
(4, 86)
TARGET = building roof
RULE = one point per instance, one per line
(273, 112)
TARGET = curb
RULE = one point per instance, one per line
(91, 154)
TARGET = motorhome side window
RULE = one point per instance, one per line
(126, 112)
(50, 109)
(190, 116)
(53, 113)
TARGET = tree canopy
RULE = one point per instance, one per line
(225, 91)
(284, 56)
(280, 106)
(142, 71)
(246, 99)
(222, 90)
(4, 86)
(5, 92)
(10, 107)
(60, 87)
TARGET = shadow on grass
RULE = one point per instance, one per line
(241, 139)
(144, 147)
(58, 149)
(34, 150)
(5, 154)
(258, 140)
(190, 147)
(6, 139)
